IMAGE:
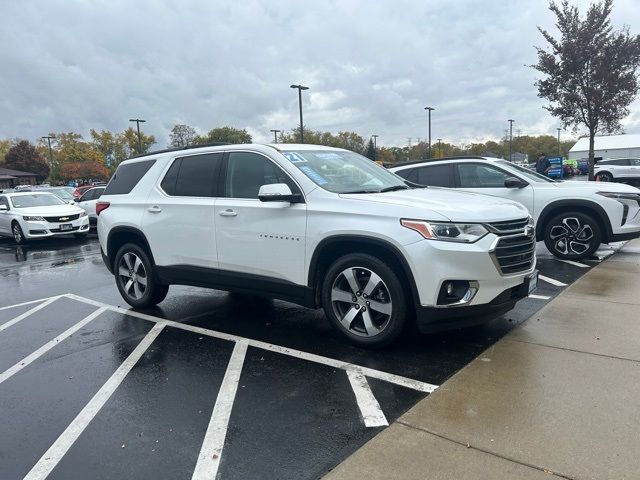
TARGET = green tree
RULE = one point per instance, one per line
(370, 152)
(130, 138)
(113, 147)
(181, 135)
(26, 157)
(590, 72)
(224, 135)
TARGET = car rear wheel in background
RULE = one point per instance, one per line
(364, 299)
(604, 177)
(18, 235)
(135, 279)
(572, 235)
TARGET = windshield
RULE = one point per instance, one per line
(60, 193)
(35, 200)
(341, 171)
(530, 174)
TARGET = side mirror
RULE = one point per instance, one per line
(514, 182)
(277, 192)
(3, 208)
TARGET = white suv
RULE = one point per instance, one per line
(614, 169)
(316, 226)
(573, 218)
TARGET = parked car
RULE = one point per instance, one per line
(61, 192)
(573, 218)
(29, 215)
(88, 203)
(77, 193)
(617, 169)
(316, 226)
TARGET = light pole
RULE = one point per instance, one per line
(138, 122)
(558, 141)
(275, 135)
(375, 146)
(300, 88)
(439, 148)
(429, 109)
(510, 138)
(49, 138)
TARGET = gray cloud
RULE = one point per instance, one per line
(372, 66)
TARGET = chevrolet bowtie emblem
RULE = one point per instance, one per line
(62, 219)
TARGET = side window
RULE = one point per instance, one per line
(475, 175)
(247, 172)
(127, 176)
(620, 162)
(4, 201)
(98, 193)
(193, 176)
(410, 174)
(436, 176)
(635, 162)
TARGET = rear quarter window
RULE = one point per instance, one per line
(127, 176)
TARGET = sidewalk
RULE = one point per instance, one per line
(559, 395)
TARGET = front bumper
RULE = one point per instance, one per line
(43, 229)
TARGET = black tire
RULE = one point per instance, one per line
(604, 177)
(18, 234)
(144, 290)
(572, 235)
(386, 320)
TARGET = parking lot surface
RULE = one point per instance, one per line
(207, 384)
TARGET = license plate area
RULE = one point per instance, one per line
(65, 227)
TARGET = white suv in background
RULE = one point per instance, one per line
(316, 226)
(573, 218)
(615, 169)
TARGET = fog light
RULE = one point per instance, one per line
(449, 288)
(457, 292)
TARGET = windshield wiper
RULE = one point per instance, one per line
(394, 188)
(362, 191)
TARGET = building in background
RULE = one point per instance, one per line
(609, 146)
(519, 158)
(12, 178)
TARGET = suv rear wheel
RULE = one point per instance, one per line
(604, 177)
(364, 300)
(572, 235)
(135, 279)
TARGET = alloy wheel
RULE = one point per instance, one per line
(361, 301)
(571, 237)
(604, 177)
(133, 275)
(17, 233)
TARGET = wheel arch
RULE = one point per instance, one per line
(333, 247)
(582, 206)
(119, 236)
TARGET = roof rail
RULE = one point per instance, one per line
(177, 149)
(459, 157)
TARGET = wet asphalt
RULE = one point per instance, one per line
(292, 416)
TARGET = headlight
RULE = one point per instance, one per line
(622, 196)
(83, 214)
(28, 218)
(448, 232)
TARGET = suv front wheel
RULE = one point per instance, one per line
(135, 279)
(572, 235)
(364, 300)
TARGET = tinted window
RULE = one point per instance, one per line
(635, 162)
(193, 176)
(436, 176)
(475, 175)
(4, 201)
(408, 174)
(127, 176)
(618, 162)
(247, 172)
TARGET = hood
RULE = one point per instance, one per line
(594, 187)
(455, 205)
(49, 211)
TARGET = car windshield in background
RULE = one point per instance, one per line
(344, 172)
(531, 175)
(60, 193)
(35, 200)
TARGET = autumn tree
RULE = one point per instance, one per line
(5, 145)
(224, 135)
(590, 72)
(347, 140)
(130, 138)
(181, 136)
(25, 157)
(91, 169)
(113, 147)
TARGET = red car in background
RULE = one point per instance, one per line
(77, 193)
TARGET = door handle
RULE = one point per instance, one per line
(228, 213)
(154, 209)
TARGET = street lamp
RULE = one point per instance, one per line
(429, 109)
(138, 122)
(510, 138)
(300, 88)
(558, 140)
(375, 146)
(49, 138)
(275, 135)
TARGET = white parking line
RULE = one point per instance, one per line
(539, 297)
(575, 264)
(26, 303)
(28, 312)
(61, 446)
(369, 372)
(213, 443)
(372, 414)
(9, 372)
(552, 281)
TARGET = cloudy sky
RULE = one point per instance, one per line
(72, 65)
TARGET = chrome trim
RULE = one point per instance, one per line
(474, 287)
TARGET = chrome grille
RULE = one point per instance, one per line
(515, 252)
(67, 218)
